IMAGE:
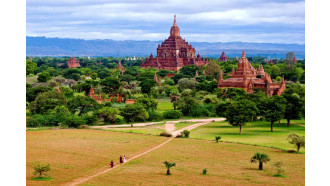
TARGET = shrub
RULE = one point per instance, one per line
(36, 120)
(199, 111)
(185, 133)
(154, 115)
(217, 138)
(261, 158)
(166, 134)
(172, 114)
(204, 171)
(74, 121)
(40, 168)
(168, 165)
(179, 136)
(298, 141)
(90, 119)
(279, 170)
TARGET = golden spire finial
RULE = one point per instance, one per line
(174, 24)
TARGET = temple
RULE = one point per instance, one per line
(94, 96)
(174, 53)
(245, 76)
(72, 62)
(223, 57)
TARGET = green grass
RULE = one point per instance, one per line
(41, 178)
(253, 133)
(181, 125)
(149, 130)
(164, 105)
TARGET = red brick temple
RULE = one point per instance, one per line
(94, 96)
(223, 57)
(72, 62)
(245, 76)
(174, 53)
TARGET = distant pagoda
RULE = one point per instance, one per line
(72, 62)
(223, 57)
(174, 53)
(245, 76)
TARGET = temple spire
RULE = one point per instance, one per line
(243, 53)
(174, 23)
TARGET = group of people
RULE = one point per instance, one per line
(121, 160)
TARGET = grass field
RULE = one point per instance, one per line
(164, 105)
(227, 164)
(181, 125)
(74, 153)
(150, 130)
(254, 133)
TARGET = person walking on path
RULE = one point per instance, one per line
(112, 164)
(121, 159)
(124, 159)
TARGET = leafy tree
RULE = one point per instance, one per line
(275, 109)
(163, 72)
(32, 93)
(190, 70)
(40, 168)
(74, 121)
(293, 107)
(298, 141)
(221, 108)
(212, 69)
(146, 85)
(186, 104)
(82, 104)
(207, 86)
(128, 78)
(169, 89)
(169, 165)
(260, 158)
(240, 112)
(279, 170)
(134, 112)
(147, 102)
(109, 114)
(110, 84)
(217, 138)
(186, 83)
(274, 71)
(94, 76)
(185, 133)
(44, 77)
(30, 67)
(72, 74)
(60, 112)
(179, 76)
(172, 114)
(47, 101)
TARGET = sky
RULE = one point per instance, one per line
(260, 21)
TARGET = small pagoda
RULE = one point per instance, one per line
(245, 76)
(174, 53)
(223, 57)
(73, 63)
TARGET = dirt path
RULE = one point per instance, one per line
(190, 127)
(84, 179)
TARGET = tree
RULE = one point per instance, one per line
(260, 158)
(186, 104)
(30, 67)
(60, 112)
(32, 93)
(146, 85)
(40, 168)
(110, 84)
(44, 77)
(94, 76)
(134, 112)
(185, 133)
(240, 112)
(275, 109)
(186, 83)
(147, 102)
(293, 107)
(82, 104)
(109, 114)
(212, 69)
(74, 121)
(217, 138)
(190, 70)
(169, 165)
(47, 101)
(298, 141)
(279, 170)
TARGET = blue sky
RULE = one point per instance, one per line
(273, 21)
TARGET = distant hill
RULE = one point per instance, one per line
(42, 46)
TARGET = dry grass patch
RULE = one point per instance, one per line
(226, 164)
(74, 153)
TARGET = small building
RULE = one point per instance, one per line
(73, 63)
(223, 57)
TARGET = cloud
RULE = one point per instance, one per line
(114, 19)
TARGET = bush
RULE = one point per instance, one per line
(172, 114)
(39, 120)
(90, 119)
(154, 115)
(185, 133)
(166, 134)
(217, 138)
(279, 170)
(74, 121)
(199, 111)
(40, 169)
(204, 171)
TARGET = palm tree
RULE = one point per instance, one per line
(168, 166)
(261, 158)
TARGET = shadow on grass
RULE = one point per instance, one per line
(41, 178)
